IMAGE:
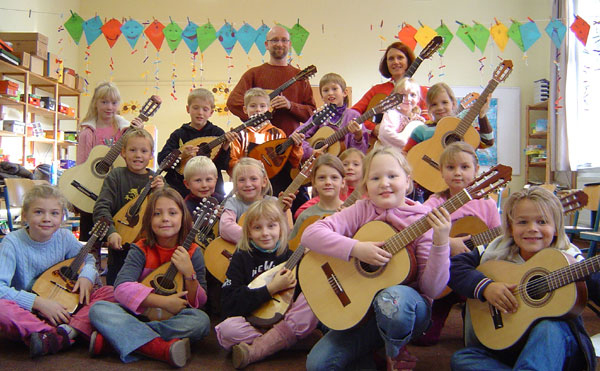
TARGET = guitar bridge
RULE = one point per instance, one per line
(60, 286)
(84, 190)
(496, 317)
(431, 162)
(335, 284)
(226, 254)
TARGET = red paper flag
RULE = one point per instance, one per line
(111, 31)
(407, 36)
(155, 34)
(581, 29)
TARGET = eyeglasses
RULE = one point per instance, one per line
(277, 41)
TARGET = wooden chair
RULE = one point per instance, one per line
(14, 191)
(593, 192)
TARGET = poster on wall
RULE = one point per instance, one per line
(487, 156)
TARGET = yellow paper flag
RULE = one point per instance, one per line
(424, 35)
(500, 34)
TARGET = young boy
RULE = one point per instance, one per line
(121, 185)
(200, 106)
(200, 177)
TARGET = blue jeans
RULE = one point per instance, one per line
(550, 345)
(126, 332)
(400, 313)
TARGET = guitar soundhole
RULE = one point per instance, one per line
(165, 286)
(536, 291)
(452, 138)
(368, 270)
(319, 144)
(203, 150)
(537, 287)
(279, 149)
(67, 274)
(100, 168)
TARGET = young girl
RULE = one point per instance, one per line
(459, 166)
(262, 247)
(166, 224)
(532, 221)
(327, 179)
(27, 253)
(397, 124)
(401, 311)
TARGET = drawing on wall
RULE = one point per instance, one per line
(487, 156)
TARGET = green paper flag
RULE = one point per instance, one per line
(514, 32)
(298, 37)
(206, 36)
(463, 34)
(74, 25)
(480, 35)
(172, 34)
(444, 32)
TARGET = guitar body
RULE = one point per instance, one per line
(129, 226)
(272, 311)
(217, 255)
(343, 310)
(267, 154)
(197, 142)
(425, 156)
(566, 300)
(154, 280)
(52, 284)
(323, 133)
(295, 242)
(89, 179)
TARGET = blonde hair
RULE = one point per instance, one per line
(439, 88)
(245, 162)
(407, 83)
(264, 209)
(43, 191)
(199, 164)
(549, 206)
(332, 77)
(385, 150)
(256, 92)
(138, 133)
(351, 151)
(201, 93)
(327, 160)
(105, 90)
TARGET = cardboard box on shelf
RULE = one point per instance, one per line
(15, 126)
(25, 59)
(54, 67)
(32, 99)
(48, 103)
(36, 65)
(33, 43)
(69, 77)
(80, 84)
(8, 87)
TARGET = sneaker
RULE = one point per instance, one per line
(48, 342)
(99, 345)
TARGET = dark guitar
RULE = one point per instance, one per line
(210, 228)
(305, 74)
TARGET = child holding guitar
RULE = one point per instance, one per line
(120, 186)
(401, 311)
(263, 246)
(167, 223)
(459, 168)
(533, 224)
(24, 255)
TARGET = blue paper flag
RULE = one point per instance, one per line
(246, 36)
(556, 30)
(93, 29)
(227, 37)
(529, 34)
(132, 30)
(261, 38)
(190, 37)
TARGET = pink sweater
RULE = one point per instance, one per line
(433, 262)
(484, 209)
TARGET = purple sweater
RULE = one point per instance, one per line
(433, 262)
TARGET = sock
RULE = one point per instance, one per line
(70, 330)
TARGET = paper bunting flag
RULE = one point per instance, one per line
(92, 28)
(298, 37)
(206, 36)
(227, 37)
(499, 33)
(581, 29)
(444, 32)
(407, 36)
(246, 36)
(529, 34)
(556, 31)
(74, 25)
(154, 32)
(480, 36)
(132, 30)
(172, 33)
(261, 38)
(112, 31)
(514, 32)
(424, 35)
(463, 34)
(190, 36)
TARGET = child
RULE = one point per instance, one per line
(459, 167)
(532, 221)
(256, 101)
(121, 185)
(327, 179)
(262, 247)
(397, 124)
(166, 225)
(442, 103)
(200, 106)
(200, 177)
(333, 90)
(27, 253)
(401, 311)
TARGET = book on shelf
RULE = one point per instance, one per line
(9, 57)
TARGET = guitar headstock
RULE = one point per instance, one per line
(171, 161)
(204, 209)
(258, 119)
(469, 100)
(100, 228)
(306, 73)
(150, 107)
(489, 181)
(308, 166)
(503, 70)
(431, 47)
(324, 113)
(574, 201)
(388, 103)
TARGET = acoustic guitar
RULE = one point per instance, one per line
(273, 310)
(167, 280)
(57, 282)
(425, 156)
(340, 292)
(210, 146)
(81, 184)
(275, 153)
(548, 286)
(219, 252)
(128, 219)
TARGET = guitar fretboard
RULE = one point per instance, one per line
(351, 200)
(295, 258)
(466, 121)
(413, 67)
(251, 122)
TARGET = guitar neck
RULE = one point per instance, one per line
(486, 236)
(80, 258)
(135, 208)
(220, 140)
(569, 274)
(292, 188)
(413, 67)
(115, 149)
(295, 258)
(351, 200)
(285, 85)
(289, 141)
(465, 123)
